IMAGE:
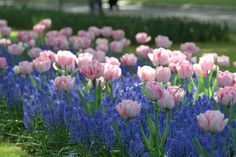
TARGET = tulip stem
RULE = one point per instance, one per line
(212, 144)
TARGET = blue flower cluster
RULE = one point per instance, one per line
(47, 105)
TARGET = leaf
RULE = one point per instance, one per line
(151, 124)
(213, 88)
(164, 137)
(118, 135)
(33, 81)
(83, 102)
(144, 137)
(200, 149)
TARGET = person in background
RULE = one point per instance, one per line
(95, 4)
(113, 3)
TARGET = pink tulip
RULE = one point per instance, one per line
(83, 42)
(226, 96)
(95, 30)
(3, 63)
(153, 90)
(101, 41)
(93, 69)
(167, 101)
(234, 64)
(225, 78)
(102, 47)
(177, 92)
(5, 31)
(34, 52)
(160, 56)
(25, 67)
(64, 82)
(16, 49)
(67, 31)
(112, 60)
(65, 58)
(163, 74)
(212, 121)
(118, 34)
(39, 28)
(207, 63)
(99, 55)
(84, 58)
(126, 42)
(128, 108)
(46, 22)
(106, 31)
(143, 51)
(42, 64)
(146, 73)
(61, 43)
(26, 36)
(111, 72)
(197, 68)
(5, 42)
(176, 58)
(185, 69)
(116, 46)
(49, 54)
(142, 38)
(128, 59)
(189, 47)
(163, 41)
(3, 23)
(223, 61)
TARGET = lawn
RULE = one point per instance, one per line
(207, 2)
(11, 150)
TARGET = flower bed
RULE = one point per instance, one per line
(162, 103)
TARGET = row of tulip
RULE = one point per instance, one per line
(162, 102)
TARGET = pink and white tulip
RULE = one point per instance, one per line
(142, 38)
(227, 96)
(163, 41)
(167, 101)
(111, 72)
(118, 34)
(223, 61)
(64, 82)
(189, 47)
(42, 64)
(16, 49)
(143, 51)
(177, 92)
(25, 67)
(160, 57)
(34, 52)
(185, 70)
(3, 63)
(153, 90)
(225, 78)
(163, 74)
(128, 60)
(212, 121)
(146, 73)
(128, 108)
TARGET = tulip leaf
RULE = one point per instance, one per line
(200, 149)
(33, 81)
(83, 102)
(144, 137)
(118, 135)
(164, 136)
(213, 88)
(151, 124)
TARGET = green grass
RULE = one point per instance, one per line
(11, 150)
(198, 2)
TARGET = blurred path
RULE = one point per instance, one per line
(218, 14)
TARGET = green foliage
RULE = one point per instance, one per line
(177, 29)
